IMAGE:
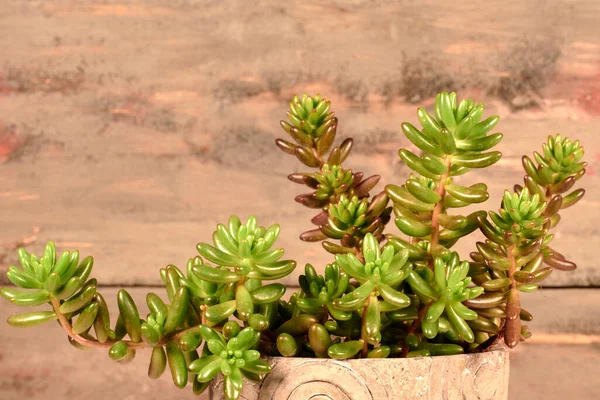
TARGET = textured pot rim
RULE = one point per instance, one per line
(291, 374)
(496, 349)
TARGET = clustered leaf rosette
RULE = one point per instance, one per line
(313, 127)
(332, 318)
(330, 184)
(232, 354)
(320, 291)
(247, 249)
(65, 279)
(453, 141)
(559, 167)
(446, 312)
(333, 181)
(555, 174)
(352, 218)
(379, 275)
(63, 283)
(510, 260)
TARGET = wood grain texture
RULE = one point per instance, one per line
(38, 363)
(129, 129)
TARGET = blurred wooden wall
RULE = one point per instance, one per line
(129, 129)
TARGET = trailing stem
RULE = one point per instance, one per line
(64, 322)
(512, 329)
(92, 343)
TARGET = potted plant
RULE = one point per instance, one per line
(374, 322)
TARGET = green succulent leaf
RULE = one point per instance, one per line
(31, 318)
(129, 314)
(345, 350)
(287, 345)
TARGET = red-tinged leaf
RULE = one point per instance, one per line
(307, 157)
(314, 235)
(320, 219)
(309, 200)
(363, 188)
(286, 146)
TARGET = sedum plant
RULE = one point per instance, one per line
(401, 294)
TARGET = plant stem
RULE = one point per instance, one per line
(439, 207)
(435, 237)
(512, 327)
(363, 334)
(240, 282)
(203, 316)
(512, 267)
(317, 156)
(414, 326)
(324, 315)
(64, 322)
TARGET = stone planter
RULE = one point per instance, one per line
(468, 376)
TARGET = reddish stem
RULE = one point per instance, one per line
(439, 207)
(363, 334)
(414, 326)
(64, 322)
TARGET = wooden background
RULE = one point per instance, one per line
(129, 129)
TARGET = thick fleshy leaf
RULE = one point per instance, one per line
(414, 162)
(394, 297)
(345, 350)
(287, 345)
(219, 312)
(476, 160)
(31, 318)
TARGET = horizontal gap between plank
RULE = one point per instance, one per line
(563, 338)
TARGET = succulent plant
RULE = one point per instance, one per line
(320, 291)
(381, 296)
(231, 354)
(336, 190)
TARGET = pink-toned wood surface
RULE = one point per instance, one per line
(129, 129)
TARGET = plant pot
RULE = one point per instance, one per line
(468, 376)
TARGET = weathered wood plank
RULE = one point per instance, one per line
(563, 311)
(148, 213)
(134, 143)
(554, 372)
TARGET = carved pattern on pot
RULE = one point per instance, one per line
(481, 376)
(314, 378)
